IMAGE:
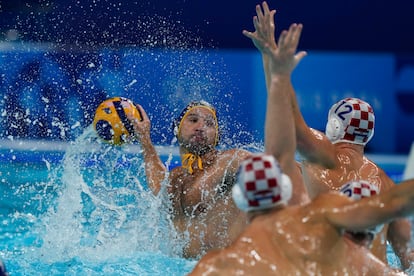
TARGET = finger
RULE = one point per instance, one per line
(142, 112)
(272, 23)
(282, 38)
(291, 32)
(259, 13)
(296, 33)
(256, 24)
(265, 6)
(248, 34)
(300, 55)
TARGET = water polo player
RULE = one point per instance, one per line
(199, 189)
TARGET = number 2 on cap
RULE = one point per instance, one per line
(348, 109)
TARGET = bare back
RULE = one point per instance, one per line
(351, 165)
(294, 241)
(202, 203)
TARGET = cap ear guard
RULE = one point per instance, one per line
(286, 189)
(239, 198)
(333, 129)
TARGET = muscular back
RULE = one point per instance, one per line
(293, 241)
(350, 165)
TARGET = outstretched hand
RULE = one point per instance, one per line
(283, 53)
(264, 35)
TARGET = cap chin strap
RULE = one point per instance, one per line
(187, 161)
(242, 203)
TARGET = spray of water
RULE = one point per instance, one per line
(104, 209)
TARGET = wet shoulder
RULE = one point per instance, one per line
(376, 175)
(232, 157)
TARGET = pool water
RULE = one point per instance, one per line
(84, 209)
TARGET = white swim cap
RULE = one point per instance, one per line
(362, 189)
(261, 184)
(350, 120)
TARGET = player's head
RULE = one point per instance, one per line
(195, 112)
(350, 120)
(357, 190)
(261, 184)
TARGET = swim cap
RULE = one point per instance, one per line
(350, 120)
(261, 184)
(362, 189)
(177, 122)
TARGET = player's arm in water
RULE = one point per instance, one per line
(399, 230)
(399, 236)
(155, 170)
(280, 59)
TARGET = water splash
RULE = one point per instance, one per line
(102, 213)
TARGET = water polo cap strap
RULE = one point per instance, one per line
(187, 161)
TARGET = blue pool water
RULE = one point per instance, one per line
(84, 209)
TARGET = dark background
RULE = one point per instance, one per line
(351, 25)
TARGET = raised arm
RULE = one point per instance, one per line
(311, 144)
(155, 170)
(279, 60)
(397, 202)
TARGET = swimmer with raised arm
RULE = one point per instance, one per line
(338, 157)
(202, 208)
(200, 189)
(301, 239)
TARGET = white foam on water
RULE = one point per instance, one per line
(104, 209)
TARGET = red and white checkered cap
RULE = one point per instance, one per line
(362, 189)
(261, 184)
(355, 119)
(359, 189)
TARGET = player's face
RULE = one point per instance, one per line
(198, 130)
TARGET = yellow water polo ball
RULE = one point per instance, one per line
(111, 122)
